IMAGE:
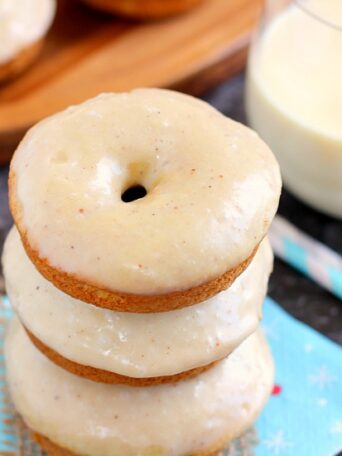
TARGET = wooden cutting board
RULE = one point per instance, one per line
(88, 52)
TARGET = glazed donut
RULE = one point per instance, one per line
(145, 201)
(138, 349)
(195, 417)
(144, 9)
(23, 24)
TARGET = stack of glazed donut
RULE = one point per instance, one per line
(137, 270)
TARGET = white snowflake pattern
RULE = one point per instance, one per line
(322, 402)
(308, 348)
(322, 378)
(336, 427)
(278, 443)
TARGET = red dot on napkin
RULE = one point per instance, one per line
(277, 389)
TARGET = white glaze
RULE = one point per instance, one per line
(294, 100)
(22, 23)
(136, 345)
(93, 419)
(213, 188)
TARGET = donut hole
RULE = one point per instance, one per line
(133, 193)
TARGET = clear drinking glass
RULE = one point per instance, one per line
(294, 96)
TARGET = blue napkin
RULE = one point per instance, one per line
(304, 415)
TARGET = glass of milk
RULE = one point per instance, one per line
(294, 96)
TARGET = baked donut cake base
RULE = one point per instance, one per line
(196, 417)
(103, 376)
(116, 300)
(54, 450)
(143, 8)
(136, 345)
(20, 62)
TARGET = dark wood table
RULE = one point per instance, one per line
(297, 294)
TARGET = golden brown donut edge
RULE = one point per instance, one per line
(143, 9)
(104, 376)
(55, 450)
(118, 301)
(20, 61)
